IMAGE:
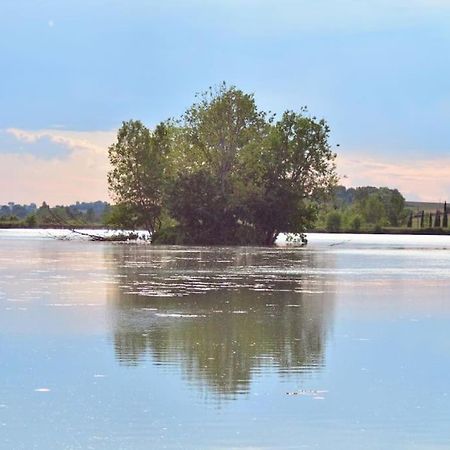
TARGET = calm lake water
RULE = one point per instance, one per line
(344, 344)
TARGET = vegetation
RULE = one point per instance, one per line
(363, 209)
(347, 210)
(373, 209)
(138, 160)
(224, 173)
(228, 173)
(80, 215)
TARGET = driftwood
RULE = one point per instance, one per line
(93, 237)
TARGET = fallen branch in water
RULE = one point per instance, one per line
(93, 237)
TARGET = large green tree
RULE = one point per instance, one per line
(225, 173)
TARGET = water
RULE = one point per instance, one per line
(344, 344)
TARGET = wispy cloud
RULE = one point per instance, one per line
(94, 141)
(416, 179)
(26, 177)
(42, 146)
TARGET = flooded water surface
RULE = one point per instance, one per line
(344, 344)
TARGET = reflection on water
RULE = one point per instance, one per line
(222, 314)
(107, 346)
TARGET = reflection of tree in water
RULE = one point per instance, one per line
(261, 309)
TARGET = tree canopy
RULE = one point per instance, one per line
(224, 173)
(137, 176)
(367, 206)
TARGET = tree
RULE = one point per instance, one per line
(410, 220)
(437, 219)
(5, 211)
(286, 175)
(342, 196)
(213, 133)
(218, 127)
(355, 223)
(225, 172)
(31, 221)
(380, 205)
(122, 216)
(374, 210)
(138, 168)
(394, 203)
(19, 211)
(90, 215)
(203, 212)
(445, 216)
(43, 214)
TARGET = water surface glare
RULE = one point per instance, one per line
(344, 344)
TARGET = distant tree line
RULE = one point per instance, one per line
(357, 209)
(370, 208)
(78, 214)
(365, 208)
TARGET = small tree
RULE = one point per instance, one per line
(437, 219)
(445, 217)
(410, 220)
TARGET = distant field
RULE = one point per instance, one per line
(425, 206)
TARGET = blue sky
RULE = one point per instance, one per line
(71, 71)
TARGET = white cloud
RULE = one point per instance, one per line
(26, 178)
(94, 141)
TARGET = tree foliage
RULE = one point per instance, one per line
(137, 176)
(334, 221)
(368, 206)
(226, 172)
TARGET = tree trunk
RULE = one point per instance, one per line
(271, 237)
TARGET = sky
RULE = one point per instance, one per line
(71, 71)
